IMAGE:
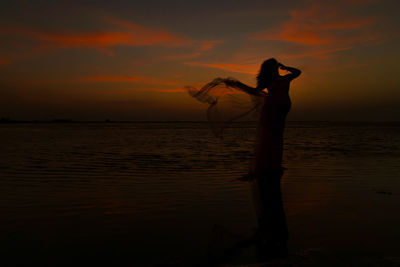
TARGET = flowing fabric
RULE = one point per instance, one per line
(229, 100)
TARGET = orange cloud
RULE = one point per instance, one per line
(186, 56)
(318, 54)
(141, 37)
(200, 49)
(128, 79)
(321, 23)
(125, 33)
(14, 55)
(108, 78)
(208, 45)
(361, 1)
(130, 35)
(173, 90)
(4, 61)
(227, 66)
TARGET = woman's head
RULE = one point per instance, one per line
(269, 71)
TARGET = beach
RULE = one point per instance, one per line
(148, 193)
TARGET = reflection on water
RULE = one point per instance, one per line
(272, 226)
(130, 191)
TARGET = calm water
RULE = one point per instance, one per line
(150, 193)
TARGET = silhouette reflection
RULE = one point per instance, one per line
(269, 240)
(272, 235)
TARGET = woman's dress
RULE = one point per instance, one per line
(271, 125)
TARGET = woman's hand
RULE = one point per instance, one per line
(281, 66)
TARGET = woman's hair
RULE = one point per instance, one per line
(268, 72)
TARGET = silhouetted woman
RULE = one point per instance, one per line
(266, 168)
(267, 164)
(271, 109)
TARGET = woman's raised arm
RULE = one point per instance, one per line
(248, 89)
(294, 73)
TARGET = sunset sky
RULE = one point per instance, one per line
(130, 60)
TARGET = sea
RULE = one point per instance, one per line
(151, 193)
